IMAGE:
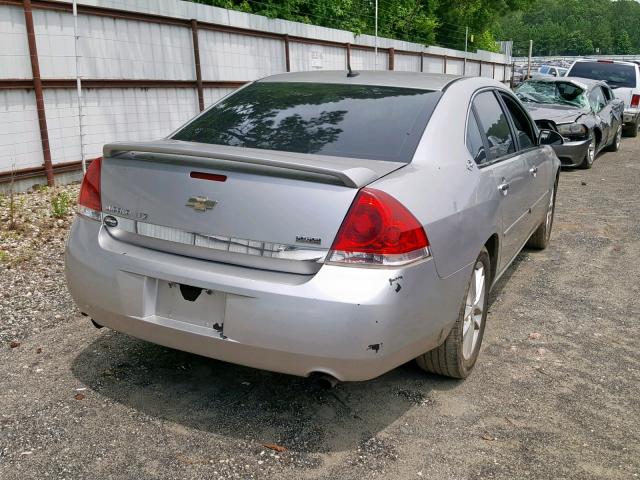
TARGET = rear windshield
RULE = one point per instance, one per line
(358, 121)
(615, 74)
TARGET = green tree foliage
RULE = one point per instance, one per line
(622, 43)
(430, 22)
(574, 27)
(402, 19)
(479, 15)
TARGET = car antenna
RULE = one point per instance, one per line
(351, 73)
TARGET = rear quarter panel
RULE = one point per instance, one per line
(455, 201)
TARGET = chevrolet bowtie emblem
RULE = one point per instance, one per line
(201, 204)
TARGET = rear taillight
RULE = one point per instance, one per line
(379, 231)
(89, 201)
(635, 101)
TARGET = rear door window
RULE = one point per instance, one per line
(494, 125)
(357, 121)
(615, 74)
(608, 94)
(524, 129)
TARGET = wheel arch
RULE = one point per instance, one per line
(598, 134)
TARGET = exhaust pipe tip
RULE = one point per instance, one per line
(325, 380)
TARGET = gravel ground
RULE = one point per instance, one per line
(554, 396)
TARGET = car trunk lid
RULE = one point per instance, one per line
(257, 208)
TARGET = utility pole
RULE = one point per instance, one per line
(376, 33)
(530, 51)
(466, 42)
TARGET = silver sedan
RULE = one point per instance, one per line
(318, 223)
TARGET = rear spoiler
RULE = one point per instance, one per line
(350, 172)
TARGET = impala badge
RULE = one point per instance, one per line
(201, 204)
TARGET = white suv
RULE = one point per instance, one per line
(624, 80)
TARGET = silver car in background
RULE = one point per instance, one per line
(318, 223)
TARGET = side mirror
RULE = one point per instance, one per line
(550, 137)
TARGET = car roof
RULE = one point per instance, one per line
(602, 60)
(424, 81)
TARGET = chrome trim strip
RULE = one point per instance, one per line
(217, 242)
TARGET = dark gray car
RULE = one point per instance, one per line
(585, 112)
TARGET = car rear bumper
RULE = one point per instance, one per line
(631, 115)
(572, 153)
(352, 323)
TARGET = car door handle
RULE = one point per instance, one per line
(504, 188)
(533, 171)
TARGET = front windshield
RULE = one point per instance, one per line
(564, 93)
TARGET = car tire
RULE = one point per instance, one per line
(615, 145)
(590, 156)
(457, 355)
(632, 130)
(541, 237)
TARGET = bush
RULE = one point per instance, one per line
(60, 203)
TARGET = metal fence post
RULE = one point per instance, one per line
(287, 58)
(348, 55)
(37, 87)
(391, 58)
(196, 57)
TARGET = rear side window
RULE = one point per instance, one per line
(474, 140)
(615, 74)
(358, 121)
(494, 124)
(524, 129)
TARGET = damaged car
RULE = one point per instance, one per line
(623, 78)
(585, 112)
(318, 223)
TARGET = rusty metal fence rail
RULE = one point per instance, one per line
(144, 72)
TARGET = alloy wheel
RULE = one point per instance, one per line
(549, 220)
(474, 310)
(591, 152)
